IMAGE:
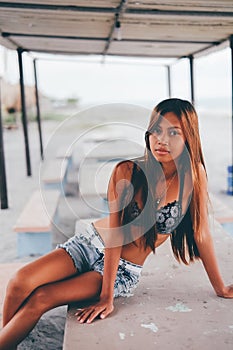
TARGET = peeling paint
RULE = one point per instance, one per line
(122, 336)
(150, 326)
(128, 295)
(210, 332)
(179, 307)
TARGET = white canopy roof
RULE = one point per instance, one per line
(175, 28)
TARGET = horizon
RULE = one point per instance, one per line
(130, 80)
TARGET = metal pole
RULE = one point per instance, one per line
(38, 111)
(191, 79)
(23, 109)
(3, 183)
(230, 169)
(231, 46)
(169, 81)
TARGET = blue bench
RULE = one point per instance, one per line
(35, 223)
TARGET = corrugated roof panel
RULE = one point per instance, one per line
(59, 23)
(60, 45)
(153, 49)
(96, 3)
(178, 27)
(188, 5)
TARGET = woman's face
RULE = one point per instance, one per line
(167, 140)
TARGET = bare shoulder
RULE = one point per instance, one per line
(125, 165)
(125, 168)
(120, 179)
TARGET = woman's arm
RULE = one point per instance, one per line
(113, 246)
(208, 257)
(206, 247)
(105, 304)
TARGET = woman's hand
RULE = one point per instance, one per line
(102, 309)
(227, 292)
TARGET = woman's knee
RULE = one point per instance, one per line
(20, 284)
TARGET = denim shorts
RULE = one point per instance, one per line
(86, 249)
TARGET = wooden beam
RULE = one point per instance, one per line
(71, 37)
(112, 10)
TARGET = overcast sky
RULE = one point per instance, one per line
(123, 80)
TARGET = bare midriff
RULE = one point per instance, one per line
(132, 251)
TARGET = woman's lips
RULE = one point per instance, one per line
(162, 152)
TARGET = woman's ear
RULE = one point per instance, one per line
(147, 134)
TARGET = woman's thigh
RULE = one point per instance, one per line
(76, 288)
(54, 266)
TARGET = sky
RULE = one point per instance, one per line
(123, 80)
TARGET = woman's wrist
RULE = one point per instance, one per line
(106, 296)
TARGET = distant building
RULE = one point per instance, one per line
(11, 99)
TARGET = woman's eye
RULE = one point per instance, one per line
(173, 132)
(156, 131)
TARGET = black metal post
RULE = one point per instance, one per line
(23, 110)
(169, 81)
(3, 183)
(191, 79)
(231, 46)
(230, 168)
(38, 110)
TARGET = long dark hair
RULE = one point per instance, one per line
(182, 238)
(146, 171)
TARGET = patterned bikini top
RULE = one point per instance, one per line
(167, 217)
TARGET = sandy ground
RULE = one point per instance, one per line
(216, 139)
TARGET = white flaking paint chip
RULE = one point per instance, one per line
(179, 307)
(122, 336)
(128, 295)
(150, 326)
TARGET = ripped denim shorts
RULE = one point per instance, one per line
(86, 249)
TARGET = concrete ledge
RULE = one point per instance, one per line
(174, 307)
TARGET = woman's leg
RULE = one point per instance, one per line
(54, 266)
(44, 298)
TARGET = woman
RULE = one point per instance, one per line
(160, 195)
